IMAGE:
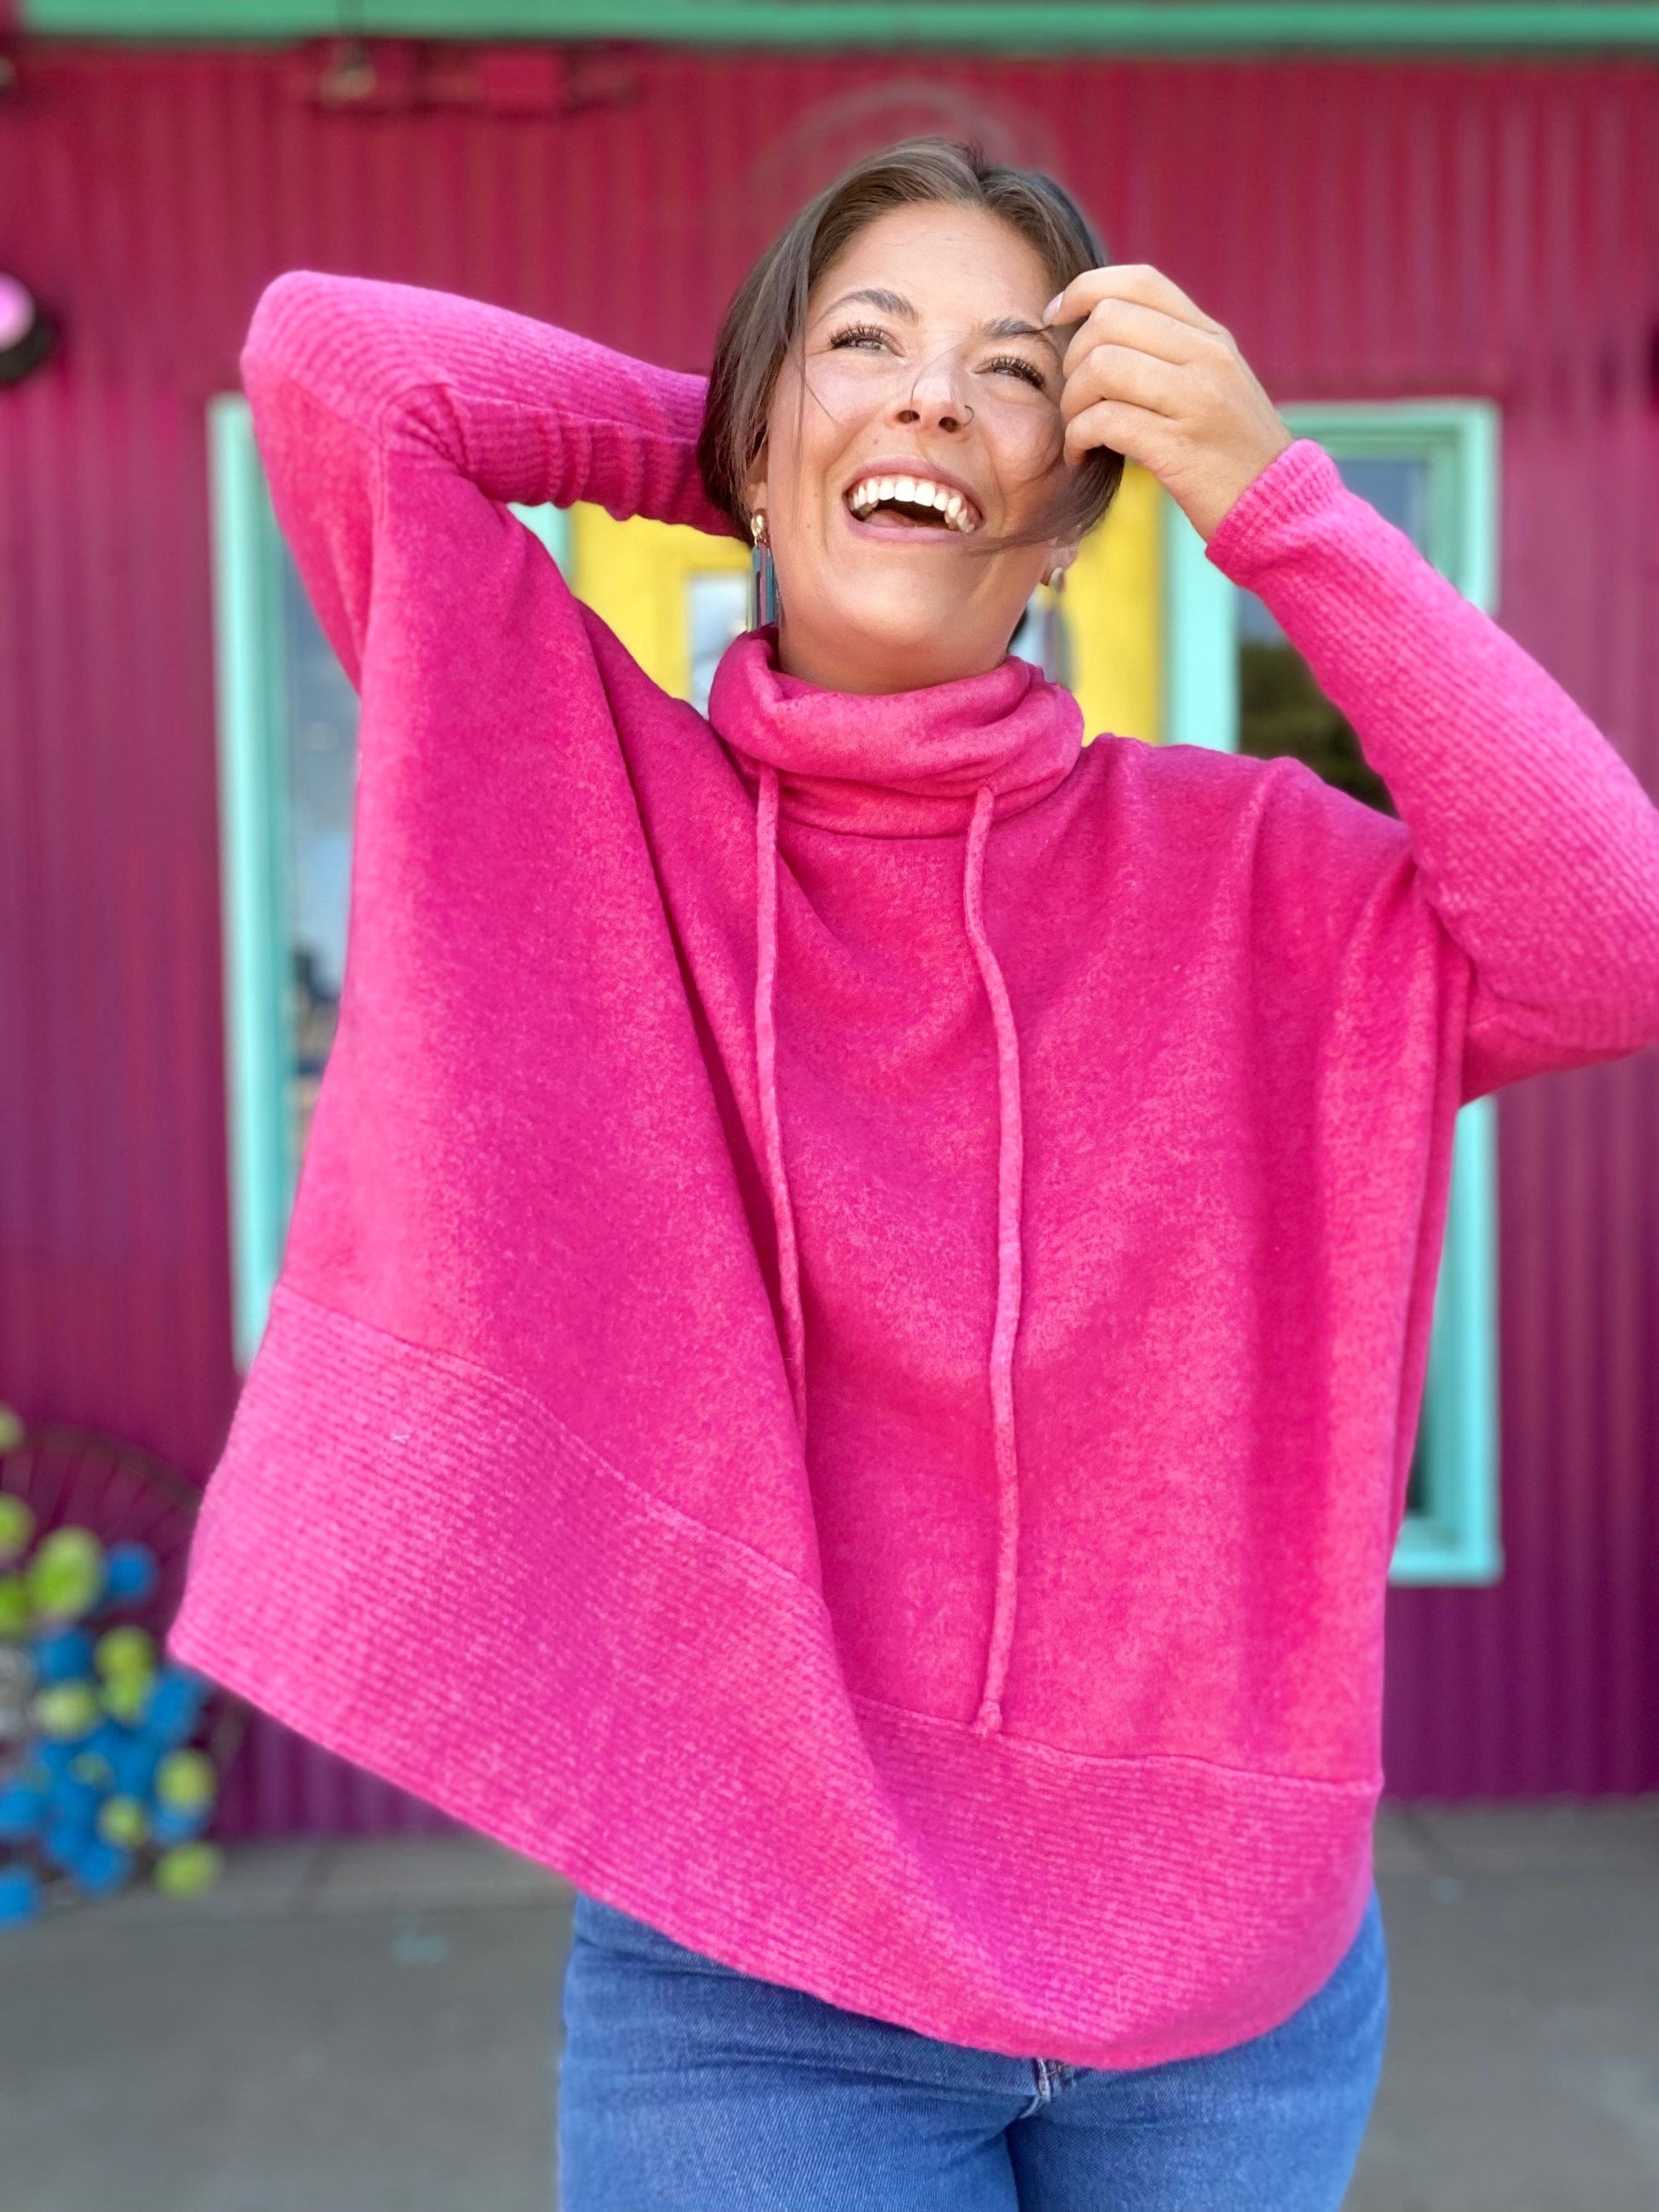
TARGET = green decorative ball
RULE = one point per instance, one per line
(66, 1574)
(124, 1651)
(16, 1607)
(126, 1697)
(189, 1868)
(16, 1527)
(186, 1782)
(65, 1710)
(123, 1821)
(92, 1767)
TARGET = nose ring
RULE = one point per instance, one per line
(966, 416)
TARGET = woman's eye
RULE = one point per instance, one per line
(860, 334)
(1017, 365)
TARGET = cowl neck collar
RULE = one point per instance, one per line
(901, 764)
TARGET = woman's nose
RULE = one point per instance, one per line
(935, 400)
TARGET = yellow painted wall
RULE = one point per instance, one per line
(1113, 600)
(634, 575)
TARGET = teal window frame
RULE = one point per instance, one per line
(252, 863)
(252, 698)
(1456, 1540)
(1016, 26)
(1455, 1537)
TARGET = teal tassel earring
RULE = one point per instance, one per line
(762, 579)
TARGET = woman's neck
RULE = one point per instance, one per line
(869, 667)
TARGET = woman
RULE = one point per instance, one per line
(850, 1348)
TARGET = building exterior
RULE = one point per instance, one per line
(1432, 231)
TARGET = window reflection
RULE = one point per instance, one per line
(1281, 707)
(1043, 637)
(716, 611)
(320, 766)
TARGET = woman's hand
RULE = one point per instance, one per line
(1151, 377)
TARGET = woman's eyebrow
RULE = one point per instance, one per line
(1009, 326)
(888, 303)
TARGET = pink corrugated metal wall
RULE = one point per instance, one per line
(1364, 231)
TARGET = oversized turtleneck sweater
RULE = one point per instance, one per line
(849, 1351)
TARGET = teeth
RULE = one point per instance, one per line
(913, 491)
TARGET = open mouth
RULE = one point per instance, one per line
(917, 501)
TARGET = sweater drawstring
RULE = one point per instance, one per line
(766, 1069)
(1010, 1174)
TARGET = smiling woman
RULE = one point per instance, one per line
(887, 398)
(864, 1271)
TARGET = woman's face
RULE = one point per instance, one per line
(929, 422)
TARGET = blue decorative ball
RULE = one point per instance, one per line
(130, 1574)
(173, 1823)
(63, 1655)
(101, 1868)
(19, 1895)
(75, 1800)
(62, 1840)
(175, 1705)
(23, 1807)
(133, 1759)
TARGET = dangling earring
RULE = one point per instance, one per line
(762, 579)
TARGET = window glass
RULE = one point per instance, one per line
(1417, 1481)
(716, 611)
(1281, 709)
(318, 762)
(1044, 638)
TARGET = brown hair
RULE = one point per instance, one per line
(768, 317)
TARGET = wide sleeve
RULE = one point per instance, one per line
(1534, 844)
(345, 376)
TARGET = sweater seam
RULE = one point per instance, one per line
(584, 1451)
(1063, 1755)
(675, 1516)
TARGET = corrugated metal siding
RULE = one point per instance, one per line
(1420, 229)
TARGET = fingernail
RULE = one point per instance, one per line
(1048, 312)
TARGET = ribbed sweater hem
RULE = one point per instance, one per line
(1115, 1910)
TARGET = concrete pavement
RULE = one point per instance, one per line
(372, 2027)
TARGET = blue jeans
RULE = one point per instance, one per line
(687, 2086)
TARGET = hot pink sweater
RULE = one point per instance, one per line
(853, 1329)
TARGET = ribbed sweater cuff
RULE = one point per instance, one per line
(1299, 481)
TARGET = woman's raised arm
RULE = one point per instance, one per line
(346, 374)
(1537, 848)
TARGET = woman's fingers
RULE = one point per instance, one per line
(1138, 433)
(1147, 375)
(1136, 281)
(1122, 372)
(1118, 322)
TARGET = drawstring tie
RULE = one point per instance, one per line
(1010, 1171)
(766, 1069)
(1010, 1161)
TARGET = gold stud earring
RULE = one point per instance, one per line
(758, 527)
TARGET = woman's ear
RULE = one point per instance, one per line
(1060, 557)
